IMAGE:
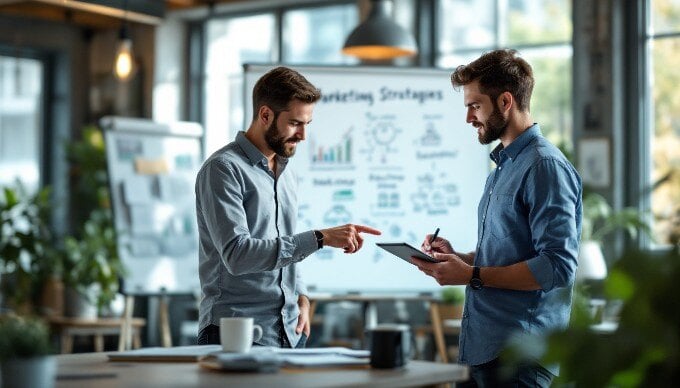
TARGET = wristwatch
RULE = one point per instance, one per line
(476, 282)
(319, 239)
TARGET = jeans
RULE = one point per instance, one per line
(210, 335)
(492, 375)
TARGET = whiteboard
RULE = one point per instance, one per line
(388, 148)
(152, 168)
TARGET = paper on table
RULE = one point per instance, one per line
(309, 357)
(317, 360)
(340, 351)
(177, 353)
(316, 357)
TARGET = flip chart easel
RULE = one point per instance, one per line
(152, 169)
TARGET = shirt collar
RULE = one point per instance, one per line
(517, 145)
(254, 154)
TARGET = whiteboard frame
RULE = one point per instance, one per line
(481, 151)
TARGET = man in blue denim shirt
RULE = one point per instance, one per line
(246, 206)
(520, 277)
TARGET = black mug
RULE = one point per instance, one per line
(390, 346)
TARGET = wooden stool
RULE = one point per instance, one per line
(99, 327)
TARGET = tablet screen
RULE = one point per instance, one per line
(406, 251)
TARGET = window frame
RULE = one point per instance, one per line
(500, 21)
(639, 113)
(44, 152)
(195, 73)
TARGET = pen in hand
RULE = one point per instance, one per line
(428, 248)
(434, 236)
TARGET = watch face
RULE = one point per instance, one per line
(476, 283)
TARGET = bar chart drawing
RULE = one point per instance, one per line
(339, 153)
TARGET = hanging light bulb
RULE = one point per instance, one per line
(124, 65)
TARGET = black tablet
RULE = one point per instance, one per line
(406, 251)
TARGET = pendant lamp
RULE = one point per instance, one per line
(379, 37)
(124, 66)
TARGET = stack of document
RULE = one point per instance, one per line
(310, 357)
(269, 359)
(177, 353)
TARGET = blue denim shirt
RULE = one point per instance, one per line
(248, 249)
(530, 211)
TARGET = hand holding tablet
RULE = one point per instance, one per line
(405, 251)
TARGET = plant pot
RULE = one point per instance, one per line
(52, 297)
(29, 372)
(591, 262)
(450, 311)
(80, 306)
(115, 308)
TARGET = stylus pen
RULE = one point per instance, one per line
(434, 236)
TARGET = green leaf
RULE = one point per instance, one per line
(619, 285)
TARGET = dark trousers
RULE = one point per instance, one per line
(492, 375)
(210, 335)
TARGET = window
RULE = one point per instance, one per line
(310, 35)
(663, 51)
(21, 96)
(231, 42)
(540, 30)
(316, 35)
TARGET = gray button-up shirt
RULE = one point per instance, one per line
(530, 211)
(248, 249)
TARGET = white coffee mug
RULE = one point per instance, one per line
(238, 333)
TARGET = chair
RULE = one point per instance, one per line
(449, 317)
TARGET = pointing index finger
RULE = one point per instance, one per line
(367, 229)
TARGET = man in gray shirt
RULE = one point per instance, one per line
(246, 205)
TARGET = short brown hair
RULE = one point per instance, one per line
(499, 71)
(279, 86)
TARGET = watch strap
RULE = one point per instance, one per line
(476, 281)
(319, 239)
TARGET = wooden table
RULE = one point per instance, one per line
(93, 369)
(67, 328)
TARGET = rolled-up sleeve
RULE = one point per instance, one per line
(552, 195)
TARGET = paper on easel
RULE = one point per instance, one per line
(151, 166)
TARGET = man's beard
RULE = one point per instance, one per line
(277, 143)
(494, 127)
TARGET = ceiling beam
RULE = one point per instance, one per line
(96, 9)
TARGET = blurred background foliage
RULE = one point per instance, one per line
(643, 351)
(91, 255)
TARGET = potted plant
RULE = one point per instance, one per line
(599, 221)
(27, 255)
(92, 267)
(452, 298)
(25, 359)
(92, 264)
